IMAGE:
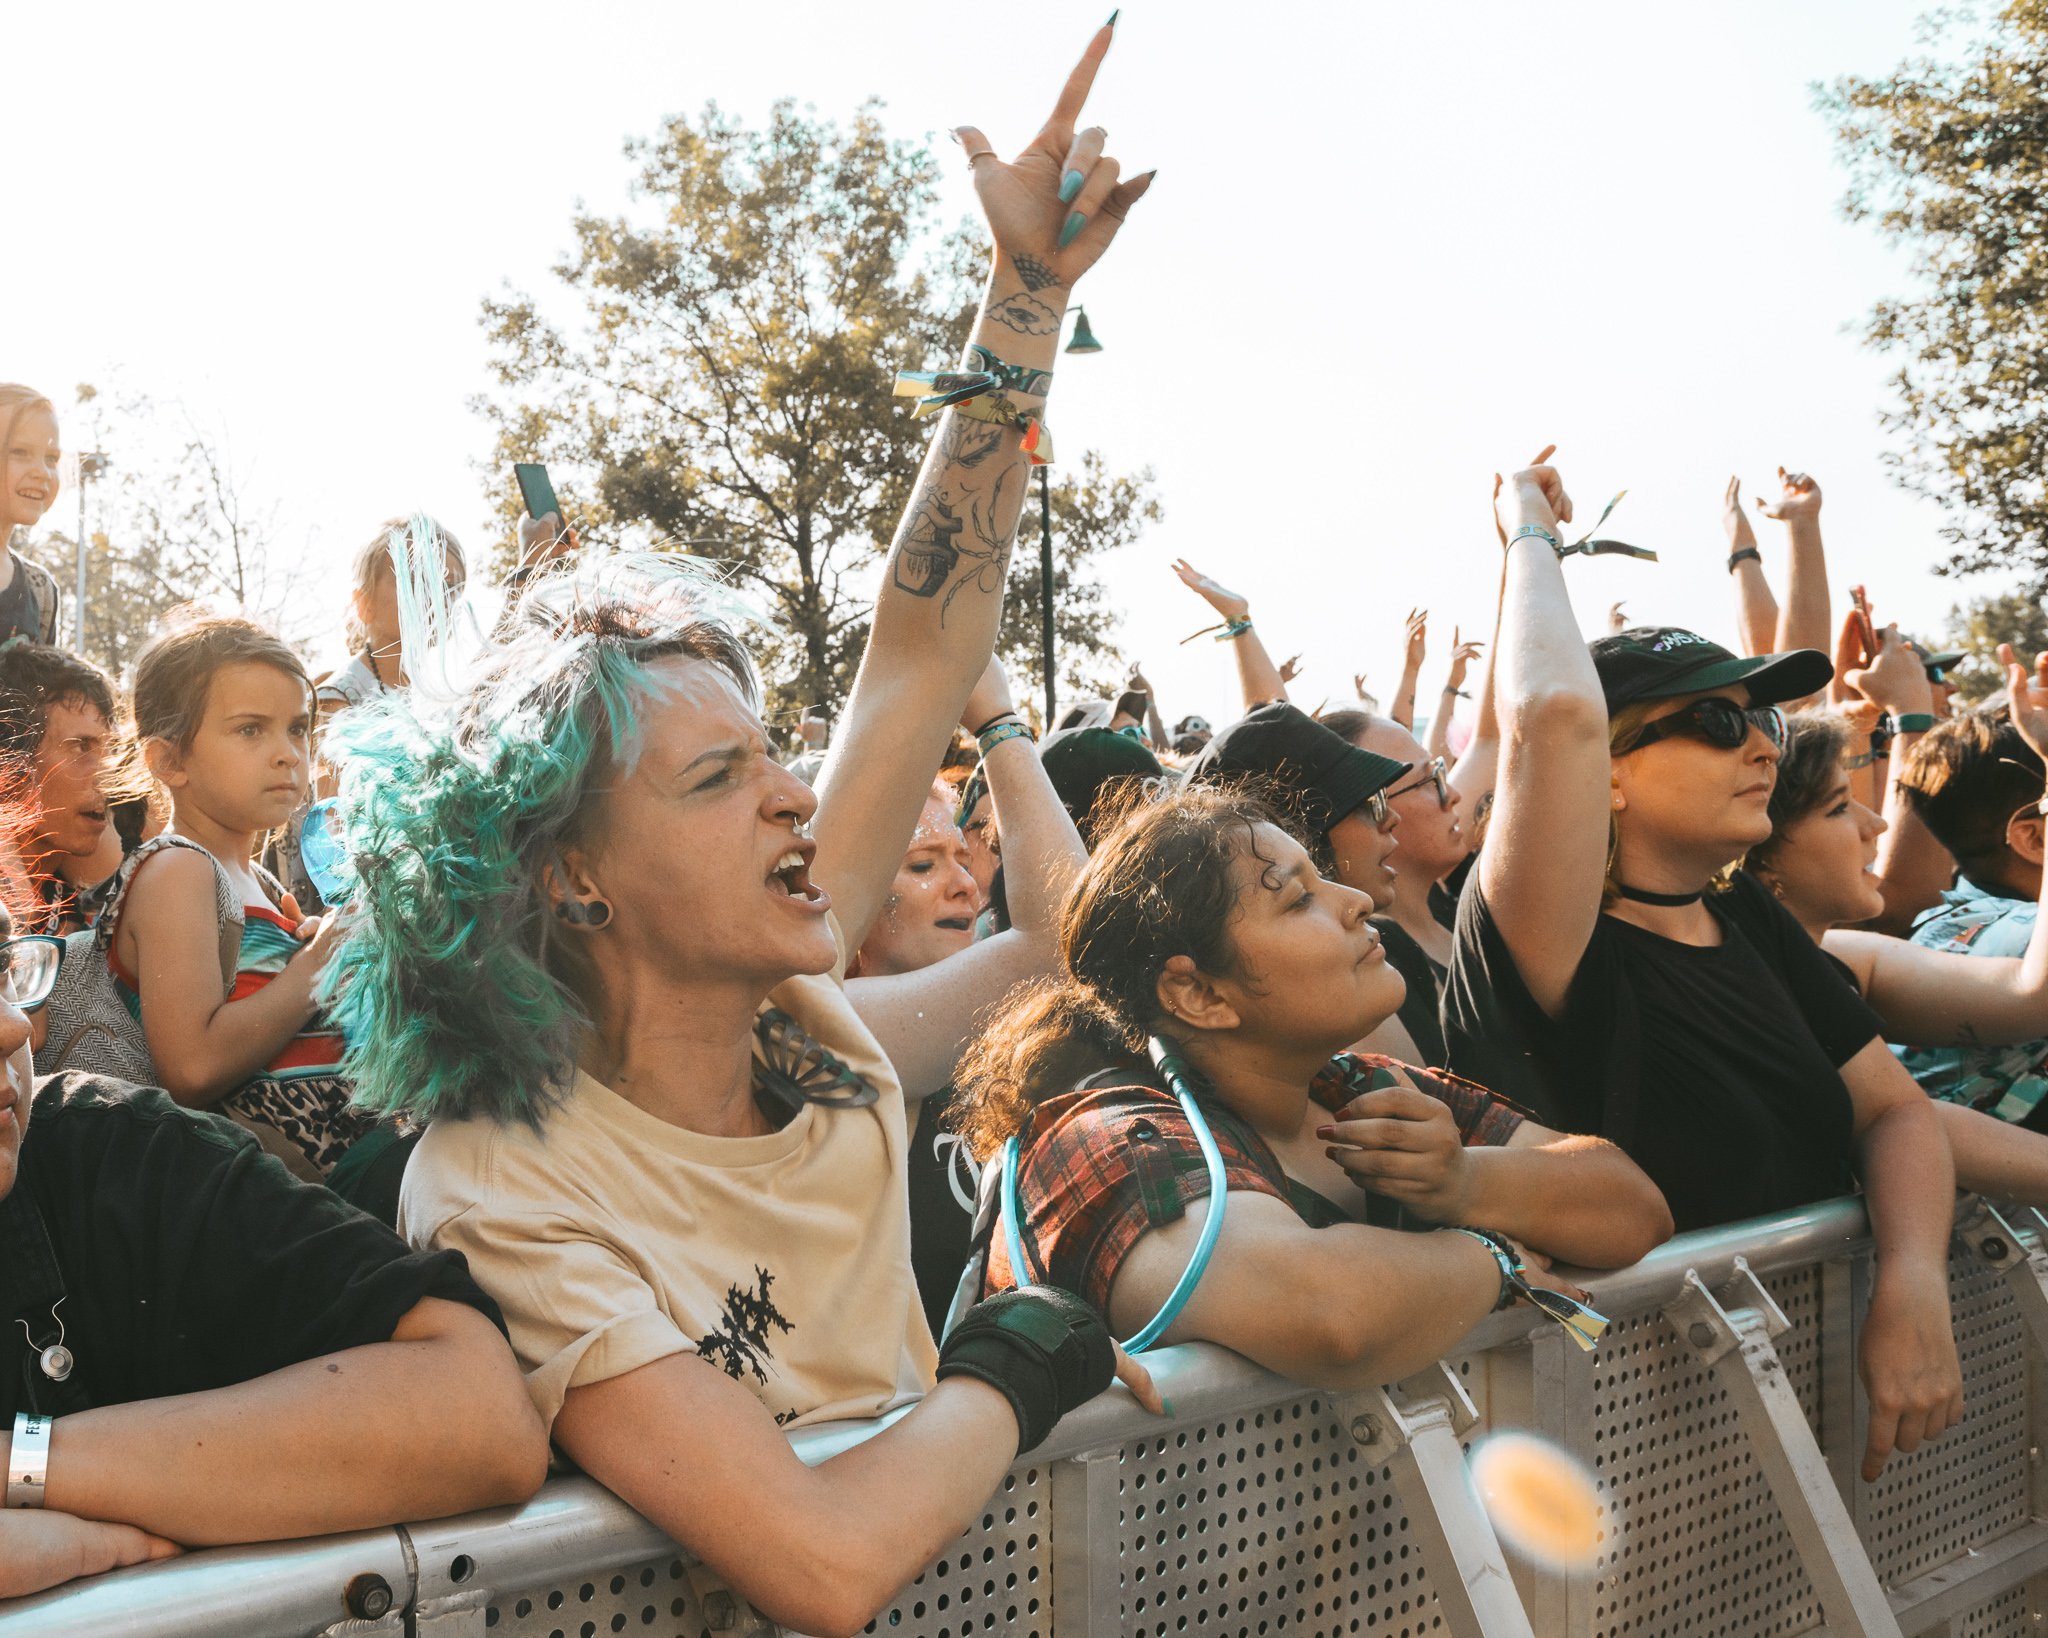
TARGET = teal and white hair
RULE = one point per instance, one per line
(458, 796)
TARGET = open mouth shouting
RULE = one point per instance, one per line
(791, 877)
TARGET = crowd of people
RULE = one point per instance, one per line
(451, 1061)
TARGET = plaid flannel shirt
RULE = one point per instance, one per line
(1103, 1165)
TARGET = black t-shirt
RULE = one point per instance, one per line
(1715, 1069)
(186, 1258)
(1419, 1013)
(942, 1184)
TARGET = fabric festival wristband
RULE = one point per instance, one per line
(1000, 716)
(1233, 628)
(1583, 1324)
(28, 1460)
(982, 394)
(1540, 533)
(1746, 552)
(993, 737)
(1510, 1266)
(1913, 722)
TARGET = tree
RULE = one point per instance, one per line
(1952, 158)
(1985, 622)
(169, 522)
(729, 388)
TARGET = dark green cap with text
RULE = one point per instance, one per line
(1662, 662)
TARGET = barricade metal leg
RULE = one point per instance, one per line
(1413, 1428)
(1087, 1594)
(1732, 1335)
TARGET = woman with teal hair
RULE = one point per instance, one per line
(600, 945)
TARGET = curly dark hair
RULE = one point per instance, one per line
(1162, 882)
(34, 677)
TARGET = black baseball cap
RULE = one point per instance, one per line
(1322, 774)
(1661, 662)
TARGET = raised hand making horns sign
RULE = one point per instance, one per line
(1056, 206)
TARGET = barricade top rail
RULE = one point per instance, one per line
(576, 1528)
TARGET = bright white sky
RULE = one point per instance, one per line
(1391, 249)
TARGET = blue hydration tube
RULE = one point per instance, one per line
(1174, 1070)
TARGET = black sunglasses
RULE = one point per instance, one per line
(1432, 775)
(28, 969)
(1719, 722)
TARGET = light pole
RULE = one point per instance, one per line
(1084, 342)
(90, 465)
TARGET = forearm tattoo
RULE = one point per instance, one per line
(943, 552)
(1024, 313)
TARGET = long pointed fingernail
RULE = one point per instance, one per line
(1168, 1403)
(1070, 187)
(1113, 16)
(1075, 222)
(955, 135)
(1147, 177)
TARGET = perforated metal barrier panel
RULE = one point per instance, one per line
(1259, 1514)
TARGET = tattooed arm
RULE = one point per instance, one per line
(1052, 212)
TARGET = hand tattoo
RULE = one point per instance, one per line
(1025, 314)
(1035, 274)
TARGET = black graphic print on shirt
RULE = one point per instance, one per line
(739, 1342)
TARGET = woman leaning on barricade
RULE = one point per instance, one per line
(1174, 1129)
(1607, 971)
(597, 954)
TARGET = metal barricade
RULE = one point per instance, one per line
(1721, 1418)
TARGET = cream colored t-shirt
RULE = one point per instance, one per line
(611, 1238)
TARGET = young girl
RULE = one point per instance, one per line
(376, 662)
(224, 712)
(29, 454)
(1202, 920)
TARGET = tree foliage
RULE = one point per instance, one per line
(723, 384)
(1981, 625)
(1951, 158)
(169, 521)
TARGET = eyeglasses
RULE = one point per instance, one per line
(1719, 722)
(28, 969)
(1432, 775)
(1375, 808)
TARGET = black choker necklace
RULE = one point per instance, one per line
(1670, 900)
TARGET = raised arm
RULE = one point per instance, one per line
(1415, 649)
(1155, 724)
(1478, 766)
(1546, 847)
(1462, 656)
(936, 616)
(1913, 869)
(1756, 606)
(1803, 620)
(924, 1018)
(1258, 678)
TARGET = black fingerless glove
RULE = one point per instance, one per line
(1044, 1350)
